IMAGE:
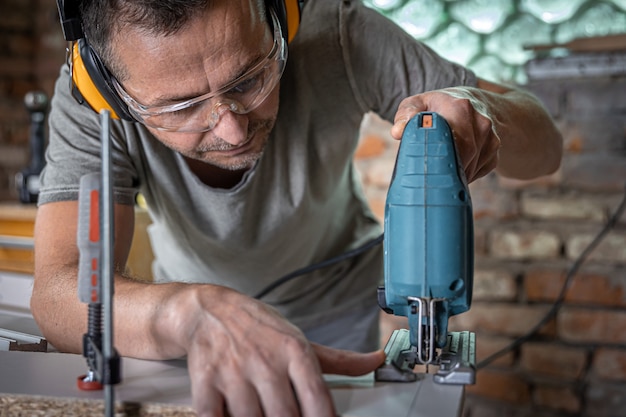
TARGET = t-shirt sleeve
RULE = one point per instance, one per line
(74, 150)
(385, 64)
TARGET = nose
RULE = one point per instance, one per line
(229, 126)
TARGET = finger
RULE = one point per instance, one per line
(466, 151)
(488, 166)
(241, 398)
(207, 401)
(408, 108)
(277, 395)
(486, 148)
(345, 362)
(311, 390)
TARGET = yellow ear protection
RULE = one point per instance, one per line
(91, 80)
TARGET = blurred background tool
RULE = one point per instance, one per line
(27, 180)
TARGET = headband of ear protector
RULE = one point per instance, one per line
(91, 81)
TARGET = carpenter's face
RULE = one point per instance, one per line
(225, 58)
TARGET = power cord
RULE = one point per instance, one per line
(302, 271)
(561, 297)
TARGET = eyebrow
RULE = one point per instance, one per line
(166, 100)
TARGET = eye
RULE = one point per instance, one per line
(176, 117)
(246, 85)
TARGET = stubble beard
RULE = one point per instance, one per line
(261, 129)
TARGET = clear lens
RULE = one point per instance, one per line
(203, 113)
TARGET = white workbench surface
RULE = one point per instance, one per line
(25, 374)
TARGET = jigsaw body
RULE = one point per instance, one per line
(428, 255)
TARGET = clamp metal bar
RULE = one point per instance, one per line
(107, 259)
(16, 242)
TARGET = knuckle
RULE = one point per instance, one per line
(464, 106)
(297, 346)
(483, 124)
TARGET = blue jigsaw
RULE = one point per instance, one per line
(428, 256)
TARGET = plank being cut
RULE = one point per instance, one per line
(30, 380)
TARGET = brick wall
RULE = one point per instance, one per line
(31, 52)
(528, 233)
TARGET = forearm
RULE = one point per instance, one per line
(530, 143)
(143, 315)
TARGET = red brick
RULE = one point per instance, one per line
(17, 134)
(502, 319)
(13, 112)
(494, 285)
(500, 385)
(582, 135)
(601, 96)
(21, 44)
(609, 364)
(585, 325)
(606, 400)
(13, 156)
(558, 398)
(370, 146)
(18, 89)
(612, 248)
(543, 182)
(475, 406)
(586, 288)
(376, 199)
(488, 345)
(553, 360)
(16, 66)
(379, 174)
(480, 240)
(569, 207)
(594, 172)
(489, 201)
(524, 244)
(15, 20)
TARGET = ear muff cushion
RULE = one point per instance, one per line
(93, 82)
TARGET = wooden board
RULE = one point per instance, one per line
(47, 381)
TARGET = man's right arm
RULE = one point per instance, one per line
(55, 304)
(242, 355)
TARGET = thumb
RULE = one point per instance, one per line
(346, 362)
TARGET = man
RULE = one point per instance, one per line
(247, 173)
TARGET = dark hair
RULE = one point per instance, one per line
(102, 19)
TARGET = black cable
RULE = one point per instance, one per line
(302, 271)
(561, 297)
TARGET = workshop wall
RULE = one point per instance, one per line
(528, 233)
(31, 52)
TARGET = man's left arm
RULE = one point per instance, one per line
(495, 127)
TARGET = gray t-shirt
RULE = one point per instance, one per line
(302, 203)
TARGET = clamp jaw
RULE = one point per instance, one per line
(428, 256)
